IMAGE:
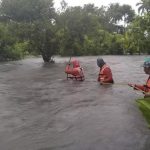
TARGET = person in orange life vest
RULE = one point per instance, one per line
(146, 87)
(74, 71)
(105, 74)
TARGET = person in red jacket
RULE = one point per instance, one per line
(74, 71)
(105, 73)
(146, 87)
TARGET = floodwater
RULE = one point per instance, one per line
(41, 110)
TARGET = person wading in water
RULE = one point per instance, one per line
(105, 73)
(74, 71)
(146, 87)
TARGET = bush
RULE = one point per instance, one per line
(14, 52)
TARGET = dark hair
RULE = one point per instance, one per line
(100, 62)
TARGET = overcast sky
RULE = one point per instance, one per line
(97, 2)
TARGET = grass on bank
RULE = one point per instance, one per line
(144, 105)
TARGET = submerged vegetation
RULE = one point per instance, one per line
(35, 27)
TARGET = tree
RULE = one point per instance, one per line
(64, 5)
(117, 13)
(27, 10)
(144, 6)
(114, 13)
(39, 17)
(135, 36)
(44, 40)
(128, 13)
(11, 48)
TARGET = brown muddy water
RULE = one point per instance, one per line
(41, 110)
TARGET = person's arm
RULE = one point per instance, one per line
(138, 87)
(98, 78)
(141, 87)
(72, 71)
(68, 69)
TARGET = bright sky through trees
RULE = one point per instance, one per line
(97, 2)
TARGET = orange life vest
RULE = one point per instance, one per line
(75, 72)
(105, 74)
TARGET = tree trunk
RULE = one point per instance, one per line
(46, 58)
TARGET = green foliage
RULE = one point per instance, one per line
(10, 47)
(117, 13)
(15, 52)
(83, 33)
(44, 40)
(32, 21)
(27, 10)
(33, 27)
(144, 105)
(20, 49)
(144, 6)
(116, 46)
(137, 35)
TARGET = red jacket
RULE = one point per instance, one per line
(105, 74)
(74, 70)
(78, 71)
(145, 88)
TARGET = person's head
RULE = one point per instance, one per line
(100, 62)
(146, 66)
(75, 63)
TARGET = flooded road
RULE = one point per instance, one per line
(41, 110)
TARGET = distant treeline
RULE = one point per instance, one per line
(33, 27)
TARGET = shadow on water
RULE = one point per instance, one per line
(41, 110)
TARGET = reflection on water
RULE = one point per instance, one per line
(41, 110)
